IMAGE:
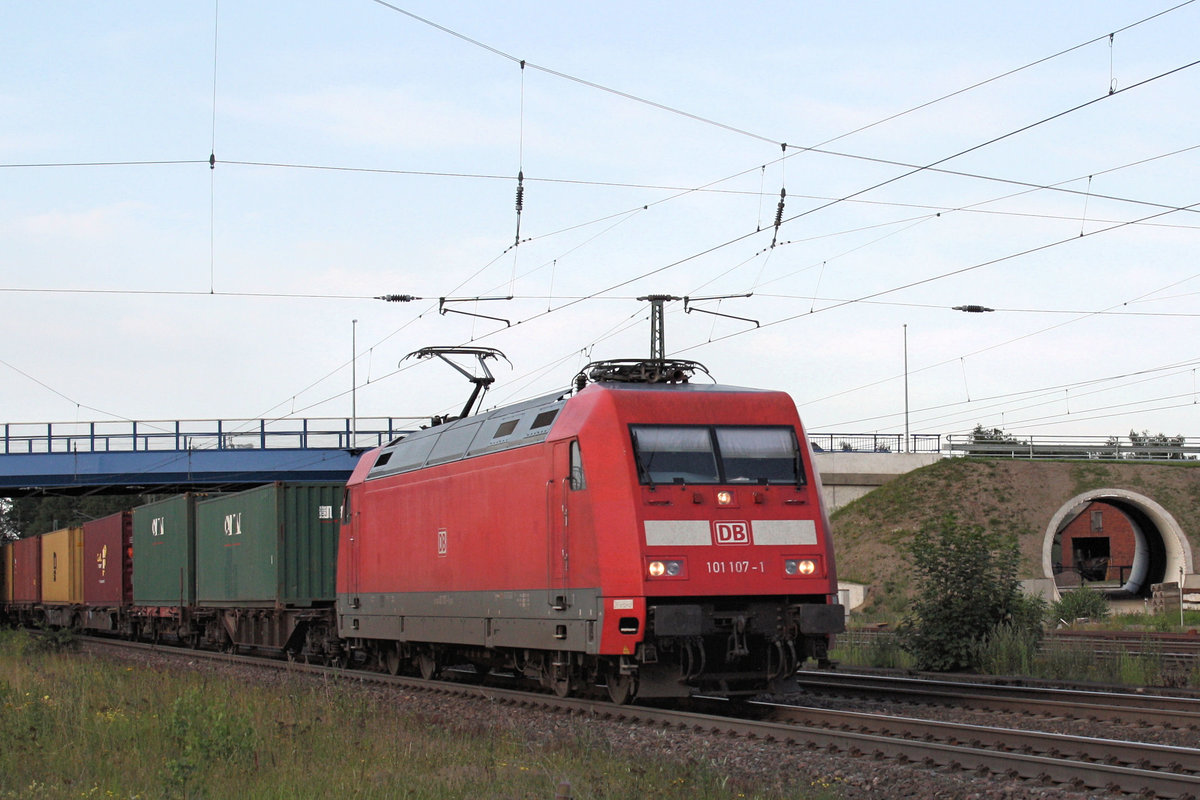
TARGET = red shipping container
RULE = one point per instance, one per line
(27, 571)
(107, 562)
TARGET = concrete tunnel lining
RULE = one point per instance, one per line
(1178, 549)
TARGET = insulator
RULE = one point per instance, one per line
(396, 298)
(779, 208)
(520, 191)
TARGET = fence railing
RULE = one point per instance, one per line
(874, 442)
(230, 434)
(1148, 448)
(342, 433)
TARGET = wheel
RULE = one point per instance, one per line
(391, 658)
(427, 664)
(621, 688)
(559, 675)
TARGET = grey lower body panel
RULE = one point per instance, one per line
(539, 619)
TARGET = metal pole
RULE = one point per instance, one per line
(1181, 597)
(906, 438)
(353, 382)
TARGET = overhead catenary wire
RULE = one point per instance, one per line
(510, 179)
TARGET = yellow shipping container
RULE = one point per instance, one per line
(62, 567)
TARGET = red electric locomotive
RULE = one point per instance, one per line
(645, 533)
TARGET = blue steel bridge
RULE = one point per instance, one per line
(169, 456)
(157, 456)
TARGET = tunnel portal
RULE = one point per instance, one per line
(1145, 548)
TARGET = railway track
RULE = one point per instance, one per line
(1099, 706)
(1080, 763)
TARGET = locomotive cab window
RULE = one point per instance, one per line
(766, 454)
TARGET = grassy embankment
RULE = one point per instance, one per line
(73, 726)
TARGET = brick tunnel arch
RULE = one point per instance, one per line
(1161, 550)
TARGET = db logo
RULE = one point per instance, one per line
(731, 532)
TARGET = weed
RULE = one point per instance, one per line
(1082, 603)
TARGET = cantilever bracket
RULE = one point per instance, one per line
(688, 308)
(442, 301)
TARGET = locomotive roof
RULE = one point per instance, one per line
(504, 428)
(500, 429)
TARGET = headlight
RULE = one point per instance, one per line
(666, 568)
(800, 566)
(724, 498)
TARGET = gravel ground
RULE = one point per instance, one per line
(753, 766)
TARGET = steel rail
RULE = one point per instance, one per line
(1080, 748)
(1182, 712)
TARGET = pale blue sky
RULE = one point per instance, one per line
(420, 135)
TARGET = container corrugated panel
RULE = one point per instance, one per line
(164, 552)
(7, 577)
(107, 566)
(274, 545)
(62, 567)
(27, 570)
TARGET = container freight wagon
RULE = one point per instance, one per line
(164, 566)
(107, 571)
(62, 576)
(266, 566)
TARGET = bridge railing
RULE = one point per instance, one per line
(1144, 448)
(229, 434)
(874, 442)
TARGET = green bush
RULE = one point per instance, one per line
(1082, 603)
(966, 578)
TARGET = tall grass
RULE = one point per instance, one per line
(76, 727)
(881, 651)
(1013, 651)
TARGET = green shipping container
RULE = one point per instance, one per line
(269, 547)
(164, 552)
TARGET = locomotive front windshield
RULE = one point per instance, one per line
(716, 454)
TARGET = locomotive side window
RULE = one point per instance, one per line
(716, 454)
(578, 481)
(543, 419)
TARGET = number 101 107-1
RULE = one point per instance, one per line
(735, 567)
